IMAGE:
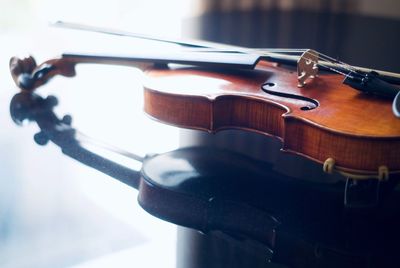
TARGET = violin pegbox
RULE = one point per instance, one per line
(307, 67)
(28, 76)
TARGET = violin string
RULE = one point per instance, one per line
(84, 139)
(331, 68)
(336, 70)
(268, 52)
(277, 50)
(271, 51)
(302, 50)
(342, 65)
(334, 61)
(249, 51)
(323, 56)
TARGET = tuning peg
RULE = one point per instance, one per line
(41, 138)
(51, 101)
(67, 119)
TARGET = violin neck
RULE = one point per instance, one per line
(28, 76)
(109, 60)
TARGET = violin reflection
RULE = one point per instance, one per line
(236, 197)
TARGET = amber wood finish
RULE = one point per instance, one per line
(359, 131)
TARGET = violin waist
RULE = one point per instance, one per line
(358, 131)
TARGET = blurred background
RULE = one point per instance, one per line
(55, 212)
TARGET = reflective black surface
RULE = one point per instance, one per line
(305, 224)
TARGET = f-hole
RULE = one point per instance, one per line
(268, 88)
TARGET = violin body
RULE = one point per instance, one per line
(357, 131)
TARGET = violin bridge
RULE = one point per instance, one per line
(307, 66)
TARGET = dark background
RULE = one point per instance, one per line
(345, 33)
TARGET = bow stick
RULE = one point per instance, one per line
(369, 81)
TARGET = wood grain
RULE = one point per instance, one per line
(359, 131)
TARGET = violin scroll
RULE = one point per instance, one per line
(28, 76)
(27, 106)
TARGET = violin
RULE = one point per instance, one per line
(349, 124)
